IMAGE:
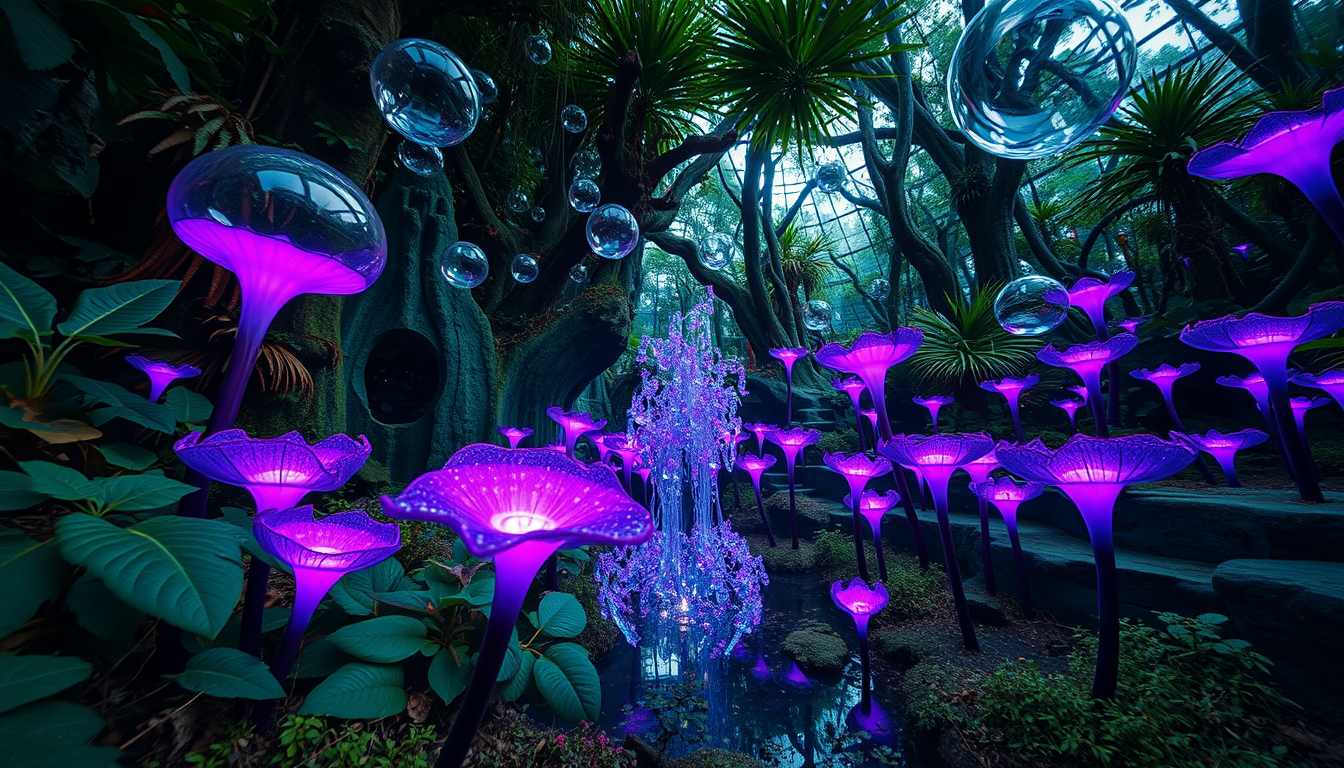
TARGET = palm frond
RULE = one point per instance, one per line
(969, 346)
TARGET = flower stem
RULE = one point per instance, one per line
(855, 501)
(1019, 560)
(1276, 380)
(986, 560)
(1098, 403)
(769, 534)
(1107, 675)
(939, 490)
(881, 556)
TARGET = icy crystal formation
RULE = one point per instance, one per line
(704, 578)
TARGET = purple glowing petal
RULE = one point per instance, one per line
(495, 498)
(755, 465)
(1262, 338)
(1286, 144)
(874, 504)
(575, 422)
(928, 451)
(1301, 405)
(795, 438)
(1214, 441)
(856, 464)
(872, 354)
(1009, 385)
(1007, 489)
(1131, 324)
(1068, 405)
(340, 543)
(287, 461)
(161, 374)
(1164, 375)
(851, 386)
(1090, 294)
(1090, 460)
(934, 401)
(1092, 356)
(1080, 391)
(788, 356)
(858, 598)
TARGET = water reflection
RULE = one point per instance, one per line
(754, 700)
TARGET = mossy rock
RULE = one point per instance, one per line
(783, 558)
(717, 758)
(816, 651)
(818, 513)
(902, 649)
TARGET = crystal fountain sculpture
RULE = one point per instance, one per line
(1087, 360)
(1266, 342)
(284, 224)
(858, 469)
(788, 356)
(161, 374)
(1012, 390)
(1092, 472)
(1007, 495)
(518, 507)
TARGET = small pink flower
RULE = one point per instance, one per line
(560, 739)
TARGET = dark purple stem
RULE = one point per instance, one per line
(1017, 418)
(1097, 402)
(793, 510)
(986, 561)
(1020, 565)
(881, 556)
(939, 490)
(788, 408)
(769, 534)
(1276, 379)
(865, 661)
(254, 602)
(1108, 615)
(856, 499)
(311, 587)
(912, 517)
(1203, 468)
(1228, 465)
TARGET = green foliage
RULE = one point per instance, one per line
(970, 346)
(787, 62)
(52, 732)
(1188, 698)
(229, 673)
(841, 440)
(834, 548)
(25, 679)
(359, 691)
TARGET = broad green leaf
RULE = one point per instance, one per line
(176, 69)
(189, 406)
(138, 493)
(187, 571)
(228, 673)
(358, 691)
(449, 673)
(98, 610)
(56, 431)
(41, 41)
(383, 640)
(515, 686)
(59, 482)
(410, 599)
(53, 734)
(16, 492)
(480, 592)
(29, 678)
(127, 456)
(26, 308)
(320, 658)
(121, 403)
(240, 525)
(354, 592)
(568, 682)
(513, 656)
(118, 308)
(560, 615)
(31, 572)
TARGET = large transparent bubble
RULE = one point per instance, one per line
(573, 118)
(1068, 65)
(585, 195)
(539, 49)
(516, 200)
(818, 315)
(538, 214)
(612, 231)
(879, 288)
(485, 84)
(464, 265)
(832, 177)
(425, 92)
(1031, 305)
(524, 268)
(716, 251)
(578, 273)
(419, 159)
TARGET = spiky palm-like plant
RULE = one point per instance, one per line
(804, 259)
(968, 346)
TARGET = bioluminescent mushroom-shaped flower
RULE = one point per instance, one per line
(855, 388)
(1092, 472)
(603, 445)
(574, 425)
(792, 442)
(861, 601)
(1090, 294)
(1223, 448)
(515, 435)
(278, 472)
(1087, 360)
(1267, 341)
(1254, 384)
(1164, 378)
(938, 457)
(285, 225)
(319, 553)
(1081, 391)
(871, 415)
(1331, 382)
(628, 449)
(980, 470)
(1070, 407)
(934, 403)
(1244, 250)
(1131, 324)
(1291, 145)
(873, 505)
(788, 356)
(1012, 390)
(759, 430)
(518, 507)
(161, 374)
(1300, 406)
(1007, 495)
(858, 469)
(755, 466)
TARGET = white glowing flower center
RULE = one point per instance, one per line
(280, 477)
(326, 550)
(521, 522)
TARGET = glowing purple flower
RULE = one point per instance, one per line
(1092, 472)
(1090, 294)
(980, 470)
(871, 416)
(934, 403)
(519, 507)
(870, 357)
(1012, 390)
(759, 430)
(1007, 495)
(1223, 448)
(788, 356)
(1267, 341)
(873, 506)
(1291, 145)
(629, 451)
(1164, 378)
(858, 469)
(1332, 382)
(277, 471)
(1081, 391)
(755, 466)
(1300, 406)
(161, 374)
(937, 458)
(574, 424)
(1087, 360)
(1070, 407)
(515, 435)
(1131, 324)
(855, 389)
(319, 552)
(792, 442)
(603, 445)
(1244, 250)
(861, 602)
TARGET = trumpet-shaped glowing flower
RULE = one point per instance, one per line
(515, 435)
(161, 374)
(1090, 295)
(1070, 407)
(1012, 390)
(934, 404)
(277, 471)
(870, 357)
(1332, 382)
(574, 425)
(1087, 360)
(1223, 448)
